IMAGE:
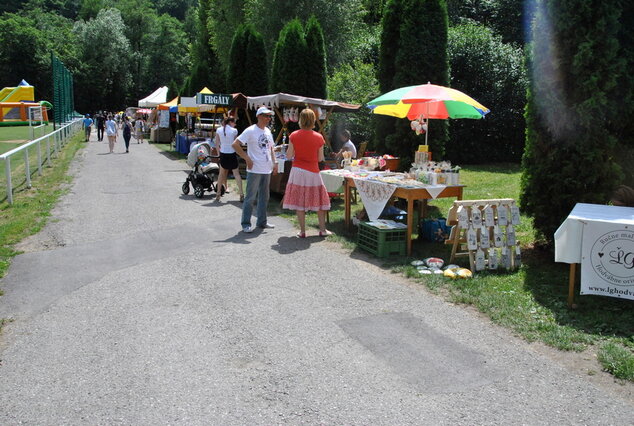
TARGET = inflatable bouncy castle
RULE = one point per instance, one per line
(15, 103)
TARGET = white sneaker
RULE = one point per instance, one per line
(247, 229)
(267, 226)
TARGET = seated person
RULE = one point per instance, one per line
(623, 196)
(347, 145)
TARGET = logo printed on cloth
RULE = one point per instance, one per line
(612, 257)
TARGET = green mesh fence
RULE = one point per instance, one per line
(63, 102)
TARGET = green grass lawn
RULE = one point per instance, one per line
(22, 133)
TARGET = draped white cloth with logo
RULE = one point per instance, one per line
(374, 195)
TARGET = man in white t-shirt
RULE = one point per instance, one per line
(260, 160)
(347, 145)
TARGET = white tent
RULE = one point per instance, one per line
(159, 96)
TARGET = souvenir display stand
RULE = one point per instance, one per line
(480, 228)
(392, 185)
(287, 108)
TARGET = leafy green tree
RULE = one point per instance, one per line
(475, 52)
(354, 83)
(19, 35)
(570, 150)
(166, 53)
(373, 11)
(90, 8)
(140, 19)
(345, 33)
(225, 17)
(174, 8)
(289, 60)
(316, 75)
(206, 70)
(104, 77)
(11, 6)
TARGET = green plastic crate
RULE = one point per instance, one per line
(382, 242)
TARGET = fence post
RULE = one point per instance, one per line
(48, 151)
(7, 170)
(39, 158)
(27, 167)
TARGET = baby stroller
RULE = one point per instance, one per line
(204, 172)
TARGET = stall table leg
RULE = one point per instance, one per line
(571, 285)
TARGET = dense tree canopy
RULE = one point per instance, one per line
(104, 75)
(570, 146)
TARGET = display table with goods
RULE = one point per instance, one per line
(601, 239)
(376, 188)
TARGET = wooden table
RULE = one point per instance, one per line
(409, 194)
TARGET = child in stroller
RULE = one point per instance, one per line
(204, 172)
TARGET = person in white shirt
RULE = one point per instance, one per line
(228, 157)
(347, 145)
(111, 133)
(260, 160)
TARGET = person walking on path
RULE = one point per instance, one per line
(87, 122)
(139, 126)
(228, 157)
(305, 190)
(111, 132)
(127, 132)
(260, 164)
(101, 125)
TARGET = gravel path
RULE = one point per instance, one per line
(138, 305)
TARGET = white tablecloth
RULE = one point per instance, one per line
(569, 235)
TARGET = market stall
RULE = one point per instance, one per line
(287, 108)
(377, 188)
(159, 96)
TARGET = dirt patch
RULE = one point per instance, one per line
(15, 141)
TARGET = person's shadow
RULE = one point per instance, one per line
(288, 245)
(241, 237)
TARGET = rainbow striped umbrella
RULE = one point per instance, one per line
(427, 101)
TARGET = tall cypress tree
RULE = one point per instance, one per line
(390, 35)
(569, 152)
(315, 60)
(236, 66)
(256, 79)
(421, 57)
(289, 62)
(624, 129)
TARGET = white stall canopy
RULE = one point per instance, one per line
(159, 96)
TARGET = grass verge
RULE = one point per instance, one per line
(31, 207)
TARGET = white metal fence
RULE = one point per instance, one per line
(51, 144)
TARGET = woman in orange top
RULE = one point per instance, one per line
(305, 191)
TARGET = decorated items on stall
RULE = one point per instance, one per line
(434, 266)
(432, 173)
(484, 230)
(286, 108)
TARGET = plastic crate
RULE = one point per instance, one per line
(382, 242)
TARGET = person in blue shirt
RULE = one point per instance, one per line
(87, 126)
